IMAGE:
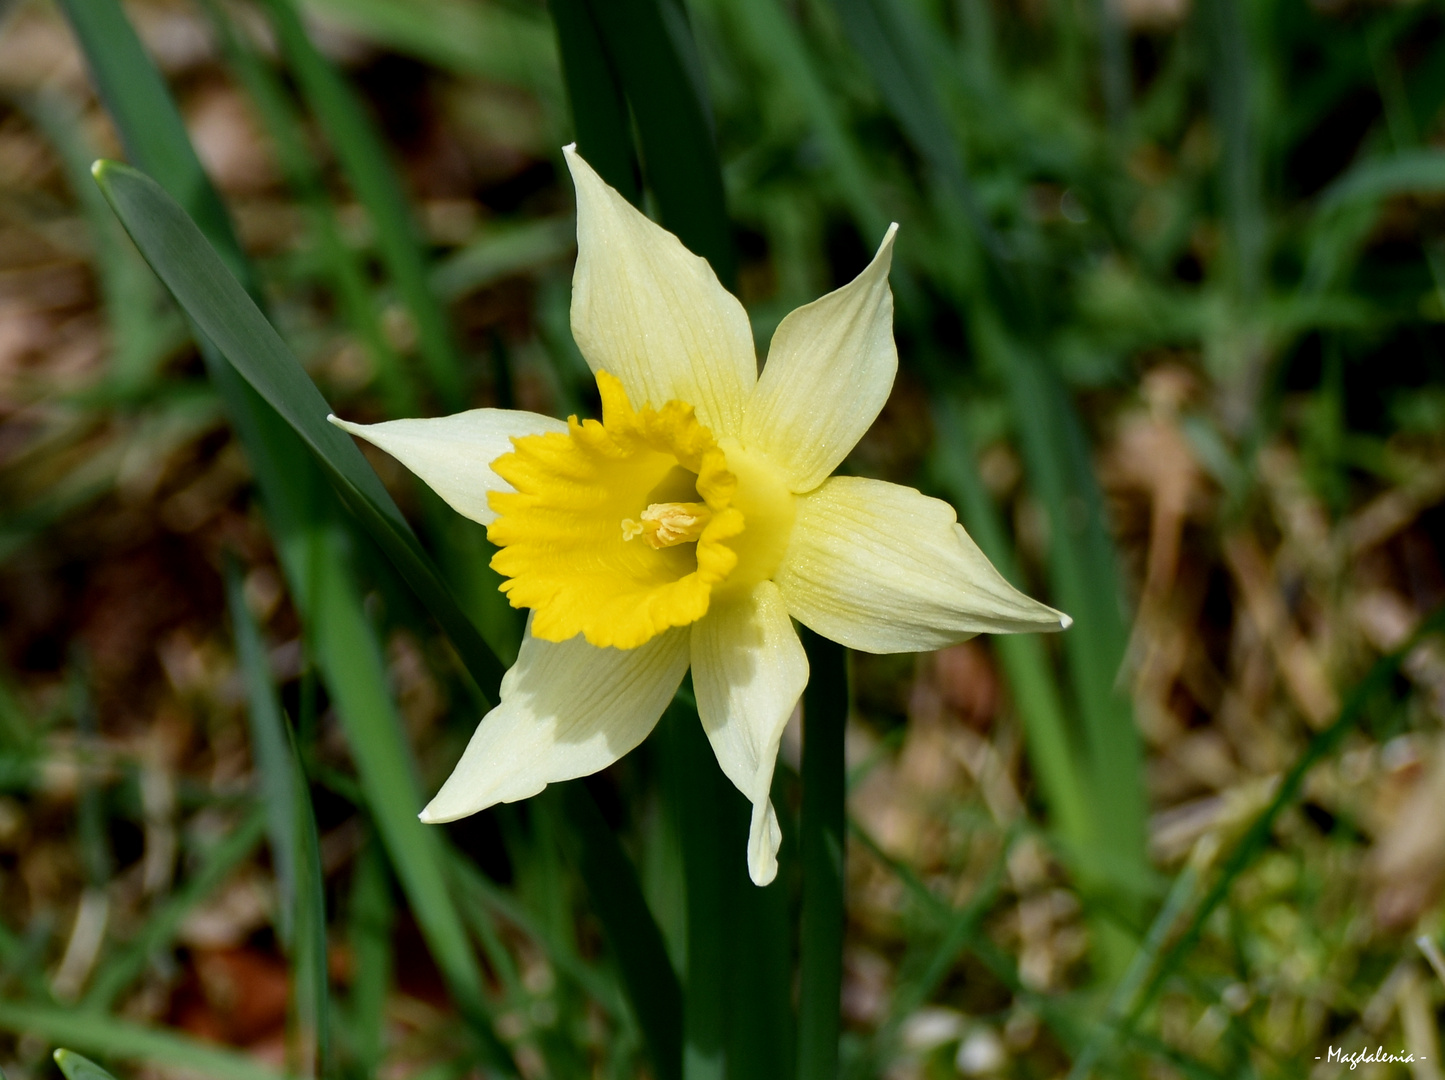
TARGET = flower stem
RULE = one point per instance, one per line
(825, 712)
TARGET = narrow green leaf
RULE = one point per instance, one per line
(366, 161)
(127, 1041)
(496, 42)
(1409, 172)
(291, 825)
(599, 107)
(342, 266)
(369, 929)
(143, 327)
(889, 37)
(503, 251)
(695, 792)
(299, 507)
(76, 1067)
(645, 45)
(150, 127)
(652, 985)
(222, 311)
(349, 654)
(820, 968)
(1053, 753)
(270, 747)
(310, 994)
(160, 929)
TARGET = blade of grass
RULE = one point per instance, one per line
(149, 125)
(694, 792)
(366, 161)
(303, 175)
(310, 996)
(1256, 838)
(290, 481)
(349, 654)
(291, 826)
(270, 749)
(820, 964)
(617, 898)
(1051, 746)
(1084, 568)
(143, 330)
(222, 311)
(599, 108)
(369, 930)
(496, 42)
(164, 923)
(76, 1067)
(1085, 577)
(673, 124)
(890, 40)
(127, 1041)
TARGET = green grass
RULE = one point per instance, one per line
(1242, 199)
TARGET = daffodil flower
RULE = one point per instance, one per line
(694, 522)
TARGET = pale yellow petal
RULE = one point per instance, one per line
(883, 568)
(568, 709)
(830, 369)
(749, 670)
(453, 454)
(650, 312)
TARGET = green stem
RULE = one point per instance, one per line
(825, 712)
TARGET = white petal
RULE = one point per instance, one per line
(883, 568)
(749, 670)
(651, 313)
(454, 454)
(830, 369)
(568, 709)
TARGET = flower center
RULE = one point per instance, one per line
(668, 524)
(569, 532)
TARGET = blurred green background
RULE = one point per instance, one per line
(1170, 288)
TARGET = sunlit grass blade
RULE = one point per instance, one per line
(143, 327)
(821, 839)
(1084, 568)
(355, 670)
(126, 1041)
(228, 318)
(310, 991)
(160, 929)
(369, 931)
(366, 162)
(291, 825)
(270, 749)
(76, 1067)
(503, 43)
(777, 40)
(149, 124)
(1085, 576)
(889, 37)
(1053, 750)
(1257, 838)
(502, 251)
(298, 164)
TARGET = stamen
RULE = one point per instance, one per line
(668, 524)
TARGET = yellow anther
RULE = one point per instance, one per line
(665, 525)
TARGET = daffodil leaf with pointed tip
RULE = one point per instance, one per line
(226, 315)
